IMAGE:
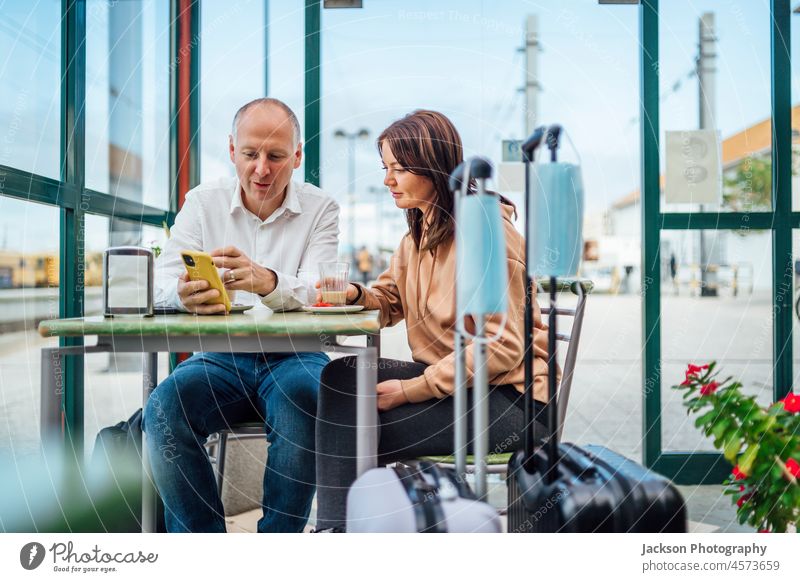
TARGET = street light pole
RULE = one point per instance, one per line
(381, 193)
(351, 137)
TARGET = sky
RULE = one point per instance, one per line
(381, 62)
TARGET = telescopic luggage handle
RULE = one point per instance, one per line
(551, 136)
(474, 168)
(530, 145)
(481, 281)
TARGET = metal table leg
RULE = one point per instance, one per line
(366, 410)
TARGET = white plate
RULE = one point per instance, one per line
(335, 309)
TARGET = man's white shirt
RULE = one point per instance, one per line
(292, 241)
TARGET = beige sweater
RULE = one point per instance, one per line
(419, 288)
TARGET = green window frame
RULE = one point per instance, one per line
(710, 467)
(70, 194)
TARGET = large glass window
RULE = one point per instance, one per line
(28, 294)
(232, 73)
(464, 58)
(795, 58)
(715, 76)
(796, 308)
(30, 86)
(112, 382)
(733, 327)
(127, 100)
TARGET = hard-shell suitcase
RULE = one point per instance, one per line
(425, 498)
(566, 488)
(594, 490)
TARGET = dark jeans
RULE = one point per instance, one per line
(406, 432)
(211, 391)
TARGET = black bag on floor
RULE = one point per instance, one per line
(117, 461)
(566, 488)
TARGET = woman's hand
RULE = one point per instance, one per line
(390, 395)
(352, 292)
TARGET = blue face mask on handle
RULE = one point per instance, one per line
(555, 232)
(481, 267)
(481, 256)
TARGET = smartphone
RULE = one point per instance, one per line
(200, 266)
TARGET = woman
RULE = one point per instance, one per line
(414, 398)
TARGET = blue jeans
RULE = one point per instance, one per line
(210, 391)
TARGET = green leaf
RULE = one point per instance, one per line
(747, 459)
(761, 512)
(718, 428)
(766, 424)
(706, 418)
(732, 446)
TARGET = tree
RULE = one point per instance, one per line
(750, 188)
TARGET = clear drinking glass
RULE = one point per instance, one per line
(334, 278)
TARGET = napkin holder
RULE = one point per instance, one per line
(128, 274)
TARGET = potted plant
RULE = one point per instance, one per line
(763, 444)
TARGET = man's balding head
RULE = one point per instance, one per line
(265, 148)
(268, 102)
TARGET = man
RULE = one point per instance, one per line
(267, 235)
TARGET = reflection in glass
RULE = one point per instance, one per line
(28, 294)
(112, 382)
(30, 86)
(733, 326)
(796, 309)
(232, 72)
(127, 121)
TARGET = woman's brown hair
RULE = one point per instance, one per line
(426, 143)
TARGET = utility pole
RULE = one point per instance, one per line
(351, 138)
(707, 100)
(532, 85)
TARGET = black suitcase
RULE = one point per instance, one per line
(566, 488)
(594, 490)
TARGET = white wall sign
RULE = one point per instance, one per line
(693, 167)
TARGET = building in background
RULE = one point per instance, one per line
(740, 257)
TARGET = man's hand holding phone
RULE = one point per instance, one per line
(242, 274)
(194, 294)
(201, 290)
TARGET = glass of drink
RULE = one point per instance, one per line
(333, 281)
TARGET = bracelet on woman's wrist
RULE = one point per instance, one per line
(360, 293)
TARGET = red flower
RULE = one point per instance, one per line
(743, 499)
(738, 474)
(793, 467)
(791, 403)
(709, 388)
(692, 369)
(764, 531)
(691, 373)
